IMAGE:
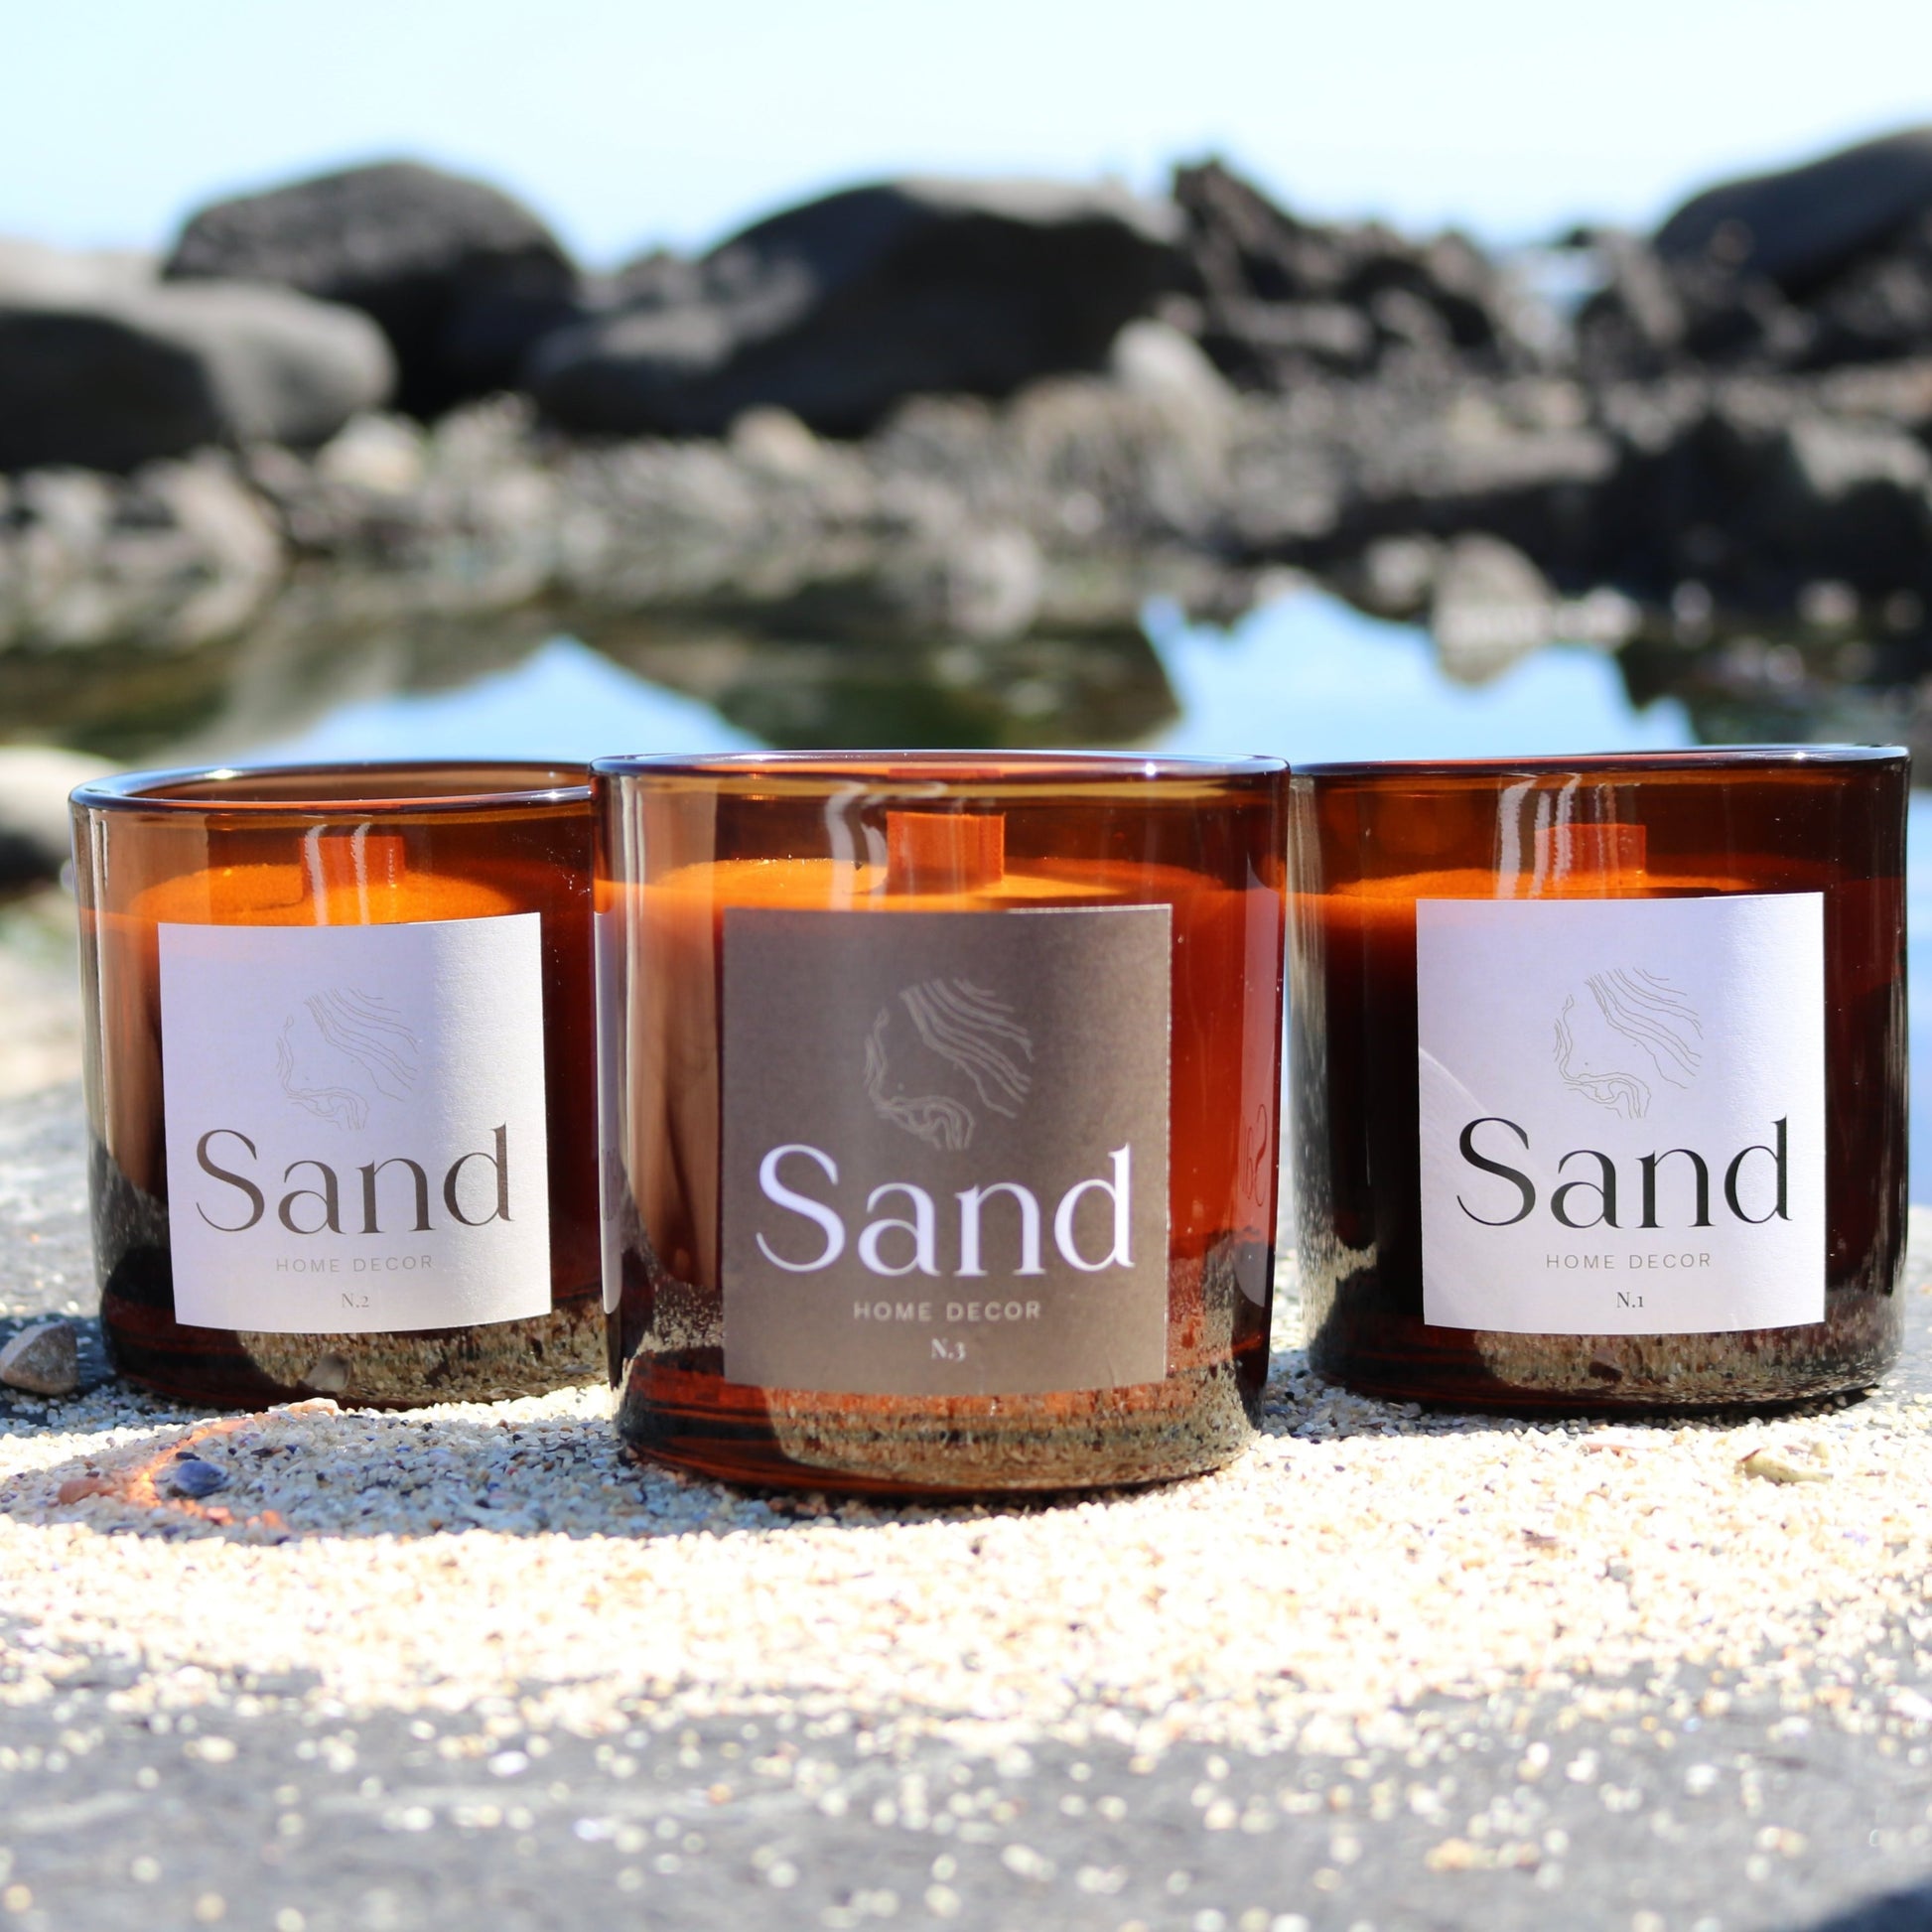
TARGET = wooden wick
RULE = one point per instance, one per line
(345, 865)
(1564, 851)
(944, 852)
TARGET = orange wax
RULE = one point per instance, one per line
(340, 881)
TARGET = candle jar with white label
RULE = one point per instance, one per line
(939, 1114)
(1599, 1075)
(340, 1080)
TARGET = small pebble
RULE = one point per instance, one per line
(190, 1477)
(42, 1360)
(1773, 1468)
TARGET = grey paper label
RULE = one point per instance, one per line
(945, 1147)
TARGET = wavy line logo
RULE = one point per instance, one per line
(944, 1052)
(1627, 1031)
(340, 1049)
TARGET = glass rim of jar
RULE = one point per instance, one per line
(915, 769)
(1680, 762)
(273, 790)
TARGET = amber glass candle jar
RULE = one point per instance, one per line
(1598, 1070)
(940, 1101)
(340, 1079)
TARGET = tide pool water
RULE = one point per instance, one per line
(1309, 678)
(564, 701)
(1306, 677)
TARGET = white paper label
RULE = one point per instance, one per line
(356, 1125)
(1623, 1111)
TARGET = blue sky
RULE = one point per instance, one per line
(631, 122)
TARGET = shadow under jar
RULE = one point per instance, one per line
(1599, 1074)
(340, 1080)
(940, 1099)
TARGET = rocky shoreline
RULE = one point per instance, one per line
(979, 413)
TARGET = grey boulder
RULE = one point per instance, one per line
(1276, 299)
(1492, 609)
(35, 781)
(460, 277)
(839, 309)
(33, 271)
(103, 370)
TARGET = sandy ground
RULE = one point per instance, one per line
(1389, 1670)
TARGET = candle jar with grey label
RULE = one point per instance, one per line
(939, 1098)
(1599, 1075)
(340, 1080)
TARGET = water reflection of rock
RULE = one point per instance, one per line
(1763, 687)
(787, 691)
(1028, 691)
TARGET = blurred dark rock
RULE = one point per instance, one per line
(1634, 324)
(1898, 392)
(1058, 513)
(1809, 268)
(1880, 308)
(1852, 499)
(1816, 268)
(95, 388)
(1499, 465)
(106, 369)
(1798, 227)
(1267, 345)
(1275, 297)
(660, 279)
(1755, 487)
(840, 309)
(1652, 317)
(1735, 319)
(460, 277)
